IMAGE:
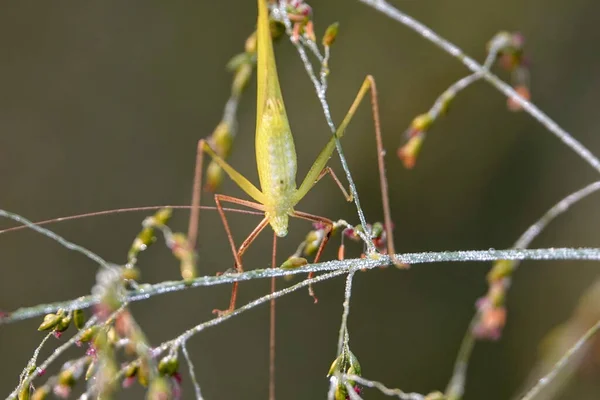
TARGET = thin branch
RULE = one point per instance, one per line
(397, 15)
(192, 372)
(534, 230)
(55, 354)
(562, 363)
(182, 339)
(344, 335)
(32, 362)
(383, 389)
(456, 385)
(145, 291)
(62, 241)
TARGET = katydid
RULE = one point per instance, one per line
(276, 160)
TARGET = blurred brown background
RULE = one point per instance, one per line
(102, 103)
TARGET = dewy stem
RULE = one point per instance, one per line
(145, 291)
(450, 48)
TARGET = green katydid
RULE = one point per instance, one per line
(276, 161)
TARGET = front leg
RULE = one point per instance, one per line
(237, 253)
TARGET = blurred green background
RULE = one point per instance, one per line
(101, 106)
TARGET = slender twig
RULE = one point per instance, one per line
(397, 15)
(383, 389)
(181, 339)
(534, 230)
(344, 335)
(32, 361)
(562, 363)
(146, 291)
(456, 386)
(55, 354)
(62, 241)
(191, 369)
(457, 382)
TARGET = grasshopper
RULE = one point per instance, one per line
(276, 161)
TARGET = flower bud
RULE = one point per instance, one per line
(409, 152)
(50, 321)
(90, 370)
(168, 365)
(250, 44)
(294, 262)
(500, 270)
(214, 176)
(88, 334)
(421, 122)
(41, 393)
(131, 370)
(241, 79)
(222, 139)
(63, 324)
(330, 34)
(162, 216)
(24, 393)
(435, 396)
(66, 377)
(78, 318)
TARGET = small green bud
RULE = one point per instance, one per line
(422, 122)
(66, 377)
(355, 368)
(24, 393)
(130, 273)
(340, 392)
(163, 216)
(377, 229)
(346, 363)
(181, 250)
(41, 393)
(409, 152)
(446, 99)
(50, 321)
(501, 270)
(168, 365)
(143, 374)
(100, 339)
(88, 334)
(294, 262)
(63, 324)
(222, 138)
(238, 60)
(331, 34)
(145, 238)
(90, 370)
(214, 176)
(277, 29)
(241, 78)
(131, 370)
(435, 396)
(250, 45)
(78, 318)
(112, 335)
